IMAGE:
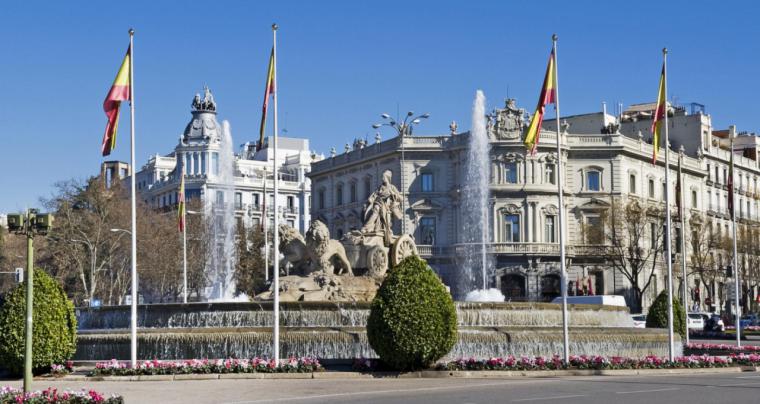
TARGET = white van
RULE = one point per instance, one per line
(606, 300)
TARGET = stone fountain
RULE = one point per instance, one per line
(325, 306)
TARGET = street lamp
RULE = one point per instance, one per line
(29, 224)
(121, 230)
(403, 129)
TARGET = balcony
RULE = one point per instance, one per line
(545, 249)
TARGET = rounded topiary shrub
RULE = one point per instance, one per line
(54, 331)
(412, 321)
(657, 317)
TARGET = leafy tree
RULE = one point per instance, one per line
(412, 321)
(54, 331)
(657, 317)
(249, 270)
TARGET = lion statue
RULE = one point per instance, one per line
(328, 255)
(293, 248)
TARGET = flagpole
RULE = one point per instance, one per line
(737, 306)
(561, 210)
(265, 220)
(184, 238)
(682, 216)
(275, 231)
(133, 325)
(668, 252)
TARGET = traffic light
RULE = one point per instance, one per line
(43, 223)
(15, 222)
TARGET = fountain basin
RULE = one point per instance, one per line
(336, 331)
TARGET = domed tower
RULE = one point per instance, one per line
(199, 144)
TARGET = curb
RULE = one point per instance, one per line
(425, 374)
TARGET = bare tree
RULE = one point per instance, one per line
(634, 234)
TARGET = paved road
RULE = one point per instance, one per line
(732, 388)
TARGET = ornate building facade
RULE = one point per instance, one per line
(607, 162)
(198, 152)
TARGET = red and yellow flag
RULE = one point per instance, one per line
(181, 199)
(548, 96)
(659, 116)
(268, 91)
(119, 92)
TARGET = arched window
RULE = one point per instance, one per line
(550, 287)
(593, 180)
(339, 195)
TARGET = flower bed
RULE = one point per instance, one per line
(10, 395)
(586, 362)
(255, 365)
(746, 359)
(723, 347)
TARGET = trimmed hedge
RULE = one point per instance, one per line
(412, 321)
(55, 326)
(657, 317)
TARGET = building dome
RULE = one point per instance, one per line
(203, 126)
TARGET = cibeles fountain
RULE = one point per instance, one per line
(325, 300)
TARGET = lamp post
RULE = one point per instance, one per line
(403, 129)
(29, 224)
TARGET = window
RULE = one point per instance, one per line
(427, 230)
(725, 176)
(219, 198)
(717, 179)
(256, 200)
(651, 188)
(352, 192)
(664, 190)
(694, 199)
(292, 224)
(321, 198)
(238, 200)
(196, 162)
(594, 230)
(339, 194)
(215, 163)
(427, 182)
(551, 173)
(632, 184)
(512, 228)
(367, 187)
(652, 235)
(593, 181)
(709, 173)
(510, 173)
(709, 200)
(549, 234)
(203, 163)
(291, 203)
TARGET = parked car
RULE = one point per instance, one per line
(714, 323)
(695, 321)
(639, 320)
(749, 320)
(607, 300)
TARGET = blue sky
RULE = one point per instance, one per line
(341, 64)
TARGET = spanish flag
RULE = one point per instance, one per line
(181, 198)
(119, 92)
(659, 116)
(268, 91)
(548, 96)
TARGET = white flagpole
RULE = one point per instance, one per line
(682, 216)
(561, 214)
(184, 239)
(671, 338)
(275, 231)
(737, 306)
(133, 325)
(264, 223)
